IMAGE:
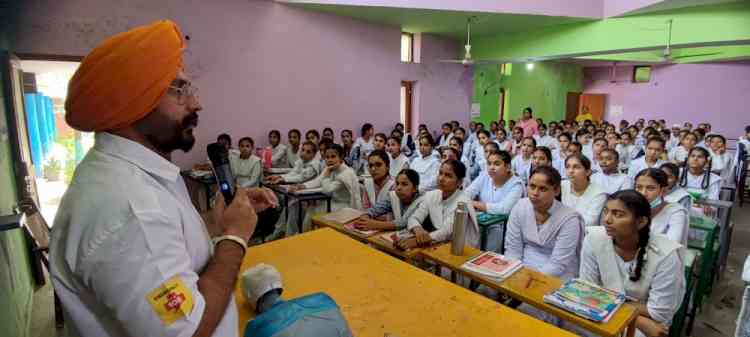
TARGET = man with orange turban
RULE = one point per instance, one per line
(130, 255)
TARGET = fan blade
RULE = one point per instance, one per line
(451, 61)
(492, 61)
(695, 55)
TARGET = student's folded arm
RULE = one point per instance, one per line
(565, 250)
(315, 183)
(416, 219)
(510, 199)
(277, 155)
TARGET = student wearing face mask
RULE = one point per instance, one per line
(669, 219)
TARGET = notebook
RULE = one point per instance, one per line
(586, 299)
(343, 216)
(492, 265)
(365, 232)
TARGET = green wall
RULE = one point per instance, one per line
(544, 89)
(16, 283)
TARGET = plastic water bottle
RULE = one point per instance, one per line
(459, 229)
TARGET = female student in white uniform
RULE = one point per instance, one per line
(668, 219)
(674, 193)
(522, 161)
(609, 178)
(722, 163)
(501, 138)
(496, 189)
(624, 256)
(480, 160)
(651, 158)
(426, 164)
(246, 167)
(543, 233)
(278, 150)
(399, 206)
(696, 176)
(399, 161)
(439, 207)
(293, 149)
(679, 154)
(579, 193)
(337, 180)
(380, 182)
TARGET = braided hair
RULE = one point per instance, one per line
(706, 181)
(639, 206)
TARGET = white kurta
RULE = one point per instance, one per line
(427, 167)
(521, 167)
(546, 141)
(723, 165)
(442, 214)
(372, 194)
(342, 185)
(638, 165)
(303, 171)
(694, 185)
(499, 199)
(397, 164)
(661, 285)
(126, 226)
(246, 172)
(612, 183)
(292, 156)
(588, 205)
(678, 154)
(279, 156)
(444, 140)
(672, 221)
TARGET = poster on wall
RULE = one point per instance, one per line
(475, 110)
(615, 111)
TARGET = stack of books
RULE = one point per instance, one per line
(492, 265)
(587, 300)
(352, 227)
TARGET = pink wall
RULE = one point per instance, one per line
(261, 65)
(578, 8)
(714, 93)
(619, 7)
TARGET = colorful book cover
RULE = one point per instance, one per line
(586, 299)
(492, 262)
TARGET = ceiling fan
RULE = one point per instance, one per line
(667, 56)
(467, 60)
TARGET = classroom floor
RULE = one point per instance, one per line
(716, 320)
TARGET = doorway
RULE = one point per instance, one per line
(54, 146)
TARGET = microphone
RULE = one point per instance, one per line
(219, 157)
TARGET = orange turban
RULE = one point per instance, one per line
(124, 78)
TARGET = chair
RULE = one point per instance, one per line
(488, 222)
(678, 322)
(707, 248)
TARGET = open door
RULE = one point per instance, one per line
(595, 104)
(13, 104)
(571, 106)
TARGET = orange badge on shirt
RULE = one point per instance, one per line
(171, 300)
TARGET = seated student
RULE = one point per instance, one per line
(399, 161)
(278, 150)
(614, 256)
(426, 164)
(517, 138)
(501, 138)
(598, 146)
(246, 167)
(496, 189)
(328, 134)
(493, 129)
(323, 145)
(379, 141)
(337, 180)
(400, 204)
(579, 193)
(293, 149)
(407, 141)
(673, 192)
(483, 137)
(669, 219)
(722, 163)
(701, 138)
(542, 156)
(350, 156)
(312, 136)
(651, 158)
(522, 161)
(667, 136)
(439, 207)
(627, 150)
(609, 178)
(365, 142)
(544, 139)
(447, 134)
(680, 153)
(380, 182)
(457, 144)
(395, 133)
(543, 233)
(696, 175)
(613, 141)
(563, 140)
(305, 168)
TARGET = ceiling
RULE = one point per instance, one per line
(681, 55)
(450, 24)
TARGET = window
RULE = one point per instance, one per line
(407, 89)
(506, 69)
(407, 47)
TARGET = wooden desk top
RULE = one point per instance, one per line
(541, 284)
(339, 227)
(374, 239)
(380, 295)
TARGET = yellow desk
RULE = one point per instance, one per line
(339, 227)
(518, 287)
(380, 295)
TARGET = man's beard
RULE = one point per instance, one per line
(167, 135)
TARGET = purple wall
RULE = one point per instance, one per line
(261, 65)
(714, 93)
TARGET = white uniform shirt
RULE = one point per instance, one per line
(588, 205)
(125, 228)
(638, 165)
(428, 168)
(612, 183)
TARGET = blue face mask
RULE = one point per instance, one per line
(657, 202)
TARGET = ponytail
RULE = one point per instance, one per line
(707, 175)
(643, 237)
(683, 175)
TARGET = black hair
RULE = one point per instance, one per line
(382, 155)
(546, 151)
(249, 139)
(566, 135)
(366, 127)
(723, 139)
(328, 129)
(503, 130)
(381, 135)
(299, 134)
(504, 156)
(581, 132)
(673, 169)
(585, 162)
(640, 207)
(314, 132)
(460, 128)
(494, 146)
(398, 124)
(657, 174)
(666, 133)
(528, 108)
(446, 148)
(275, 132)
(458, 168)
(347, 131)
(493, 123)
(412, 175)
(325, 142)
(542, 126)
(553, 177)
(580, 147)
(395, 138)
(706, 171)
(309, 143)
(460, 143)
(601, 139)
(224, 137)
(533, 141)
(614, 153)
(338, 148)
(448, 125)
(484, 132)
(747, 129)
(518, 128)
(427, 136)
(658, 140)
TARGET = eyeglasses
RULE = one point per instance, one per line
(184, 92)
